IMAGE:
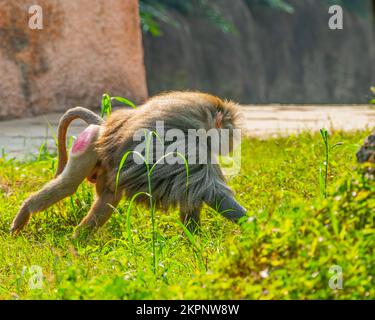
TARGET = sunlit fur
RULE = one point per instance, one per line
(99, 163)
(180, 110)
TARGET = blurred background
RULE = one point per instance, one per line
(252, 51)
(260, 51)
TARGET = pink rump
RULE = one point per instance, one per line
(84, 139)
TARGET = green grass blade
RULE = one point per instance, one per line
(125, 101)
(128, 212)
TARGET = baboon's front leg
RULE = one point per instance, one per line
(80, 164)
(190, 217)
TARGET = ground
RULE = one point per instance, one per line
(21, 137)
(294, 245)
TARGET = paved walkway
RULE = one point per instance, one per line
(25, 136)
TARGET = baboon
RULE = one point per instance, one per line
(97, 153)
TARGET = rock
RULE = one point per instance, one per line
(367, 152)
(86, 48)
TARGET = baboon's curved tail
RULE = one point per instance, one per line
(74, 113)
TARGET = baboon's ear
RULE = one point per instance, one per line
(219, 119)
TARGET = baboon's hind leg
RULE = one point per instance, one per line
(101, 210)
(80, 164)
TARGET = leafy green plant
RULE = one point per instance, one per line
(324, 180)
(323, 177)
(197, 247)
(124, 101)
(106, 104)
(372, 100)
(152, 203)
(152, 13)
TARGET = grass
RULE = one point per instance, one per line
(286, 250)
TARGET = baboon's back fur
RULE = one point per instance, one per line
(182, 111)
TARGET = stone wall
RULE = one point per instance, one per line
(85, 48)
(276, 57)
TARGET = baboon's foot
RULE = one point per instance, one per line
(20, 221)
(83, 233)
